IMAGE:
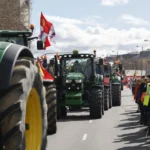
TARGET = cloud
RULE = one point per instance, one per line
(78, 34)
(129, 19)
(90, 20)
(114, 2)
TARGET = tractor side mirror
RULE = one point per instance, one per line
(120, 67)
(40, 45)
(100, 61)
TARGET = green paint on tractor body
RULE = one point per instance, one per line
(116, 79)
(74, 97)
(3, 48)
(75, 76)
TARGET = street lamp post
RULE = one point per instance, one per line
(117, 54)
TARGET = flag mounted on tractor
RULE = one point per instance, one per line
(47, 31)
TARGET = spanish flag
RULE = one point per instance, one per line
(46, 75)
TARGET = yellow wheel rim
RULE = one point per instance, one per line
(33, 133)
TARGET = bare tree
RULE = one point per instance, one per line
(13, 15)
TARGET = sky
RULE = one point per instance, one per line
(105, 25)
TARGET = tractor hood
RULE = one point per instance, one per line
(75, 76)
(116, 79)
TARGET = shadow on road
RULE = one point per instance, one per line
(133, 137)
(139, 147)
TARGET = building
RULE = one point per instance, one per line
(14, 14)
(25, 6)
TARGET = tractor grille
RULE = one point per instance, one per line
(73, 86)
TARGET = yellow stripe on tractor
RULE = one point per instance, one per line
(41, 70)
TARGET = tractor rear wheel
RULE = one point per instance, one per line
(51, 103)
(63, 111)
(121, 86)
(110, 97)
(103, 102)
(23, 122)
(116, 95)
(106, 98)
(96, 103)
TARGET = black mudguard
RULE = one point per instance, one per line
(10, 57)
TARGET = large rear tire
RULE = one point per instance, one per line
(23, 121)
(116, 95)
(106, 98)
(121, 86)
(96, 103)
(110, 96)
(103, 102)
(52, 112)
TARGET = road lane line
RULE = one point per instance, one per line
(90, 121)
(84, 137)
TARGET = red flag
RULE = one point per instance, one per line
(46, 75)
(46, 28)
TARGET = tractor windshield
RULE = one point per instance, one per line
(80, 65)
(99, 69)
(107, 70)
(16, 40)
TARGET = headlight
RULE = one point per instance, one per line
(68, 81)
(78, 81)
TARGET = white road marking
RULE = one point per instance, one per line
(84, 137)
(90, 121)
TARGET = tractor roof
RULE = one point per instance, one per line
(4, 33)
(77, 56)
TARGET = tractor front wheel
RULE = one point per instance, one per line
(116, 95)
(23, 122)
(96, 103)
(106, 98)
(110, 96)
(52, 110)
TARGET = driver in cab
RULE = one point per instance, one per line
(76, 67)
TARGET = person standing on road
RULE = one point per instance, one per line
(138, 82)
(140, 94)
(133, 84)
(146, 106)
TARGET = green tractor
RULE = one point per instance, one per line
(77, 84)
(117, 84)
(23, 115)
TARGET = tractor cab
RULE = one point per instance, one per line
(99, 66)
(17, 37)
(107, 70)
(20, 37)
(76, 68)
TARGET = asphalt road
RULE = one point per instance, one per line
(117, 130)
